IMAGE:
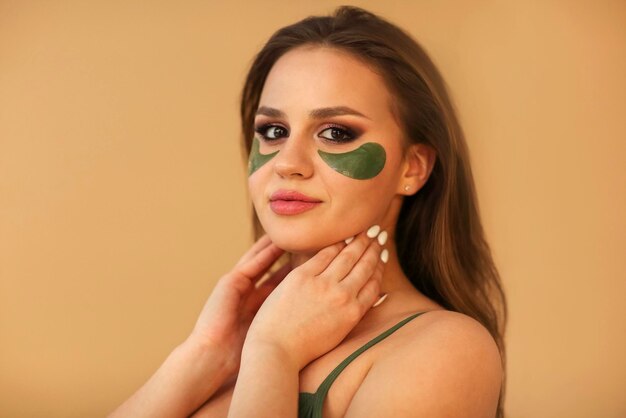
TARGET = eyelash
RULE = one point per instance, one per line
(262, 131)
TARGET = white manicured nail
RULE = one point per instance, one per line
(384, 255)
(382, 238)
(373, 231)
(348, 240)
(380, 300)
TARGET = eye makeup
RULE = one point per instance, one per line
(263, 130)
(362, 163)
(339, 134)
(342, 133)
(256, 159)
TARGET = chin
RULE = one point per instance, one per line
(297, 242)
(305, 234)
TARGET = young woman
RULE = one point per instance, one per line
(360, 177)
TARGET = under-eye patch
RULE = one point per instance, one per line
(256, 159)
(362, 163)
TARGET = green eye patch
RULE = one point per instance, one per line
(363, 163)
(256, 159)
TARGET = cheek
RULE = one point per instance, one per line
(359, 202)
(256, 188)
(357, 199)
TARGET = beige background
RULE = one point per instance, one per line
(123, 200)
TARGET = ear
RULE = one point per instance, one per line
(419, 161)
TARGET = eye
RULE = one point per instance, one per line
(339, 134)
(270, 132)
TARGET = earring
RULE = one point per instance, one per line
(407, 187)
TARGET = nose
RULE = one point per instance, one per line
(295, 158)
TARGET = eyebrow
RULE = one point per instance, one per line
(321, 113)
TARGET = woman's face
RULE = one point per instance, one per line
(351, 164)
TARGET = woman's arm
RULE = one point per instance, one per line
(267, 385)
(190, 375)
(210, 356)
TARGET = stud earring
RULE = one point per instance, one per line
(407, 187)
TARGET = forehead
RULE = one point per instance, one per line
(312, 76)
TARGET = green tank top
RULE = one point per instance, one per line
(310, 404)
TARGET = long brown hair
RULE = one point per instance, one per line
(439, 236)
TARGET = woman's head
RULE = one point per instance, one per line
(357, 59)
(355, 162)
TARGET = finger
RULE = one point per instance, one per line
(320, 261)
(255, 267)
(264, 287)
(370, 293)
(380, 268)
(274, 278)
(257, 247)
(363, 269)
(349, 256)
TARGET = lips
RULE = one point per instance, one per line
(291, 202)
(283, 194)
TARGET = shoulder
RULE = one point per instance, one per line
(447, 344)
(448, 364)
(452, 333)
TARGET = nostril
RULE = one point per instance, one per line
(289, 165)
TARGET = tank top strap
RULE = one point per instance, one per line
(325, 385)
(310, 405)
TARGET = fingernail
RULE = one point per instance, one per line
(373, 231)
(380, 300)
(384, 255)
(348, 240)
(382, 238)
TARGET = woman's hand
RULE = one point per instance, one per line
(212, 353)
(320, 301)
(227, 314)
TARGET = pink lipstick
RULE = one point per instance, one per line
(291, 202)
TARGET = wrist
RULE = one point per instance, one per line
(206, 355)
(277, 396)
(197, 372)
(255, 348)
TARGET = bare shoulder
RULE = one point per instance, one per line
(447, 365)
(451, 334)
